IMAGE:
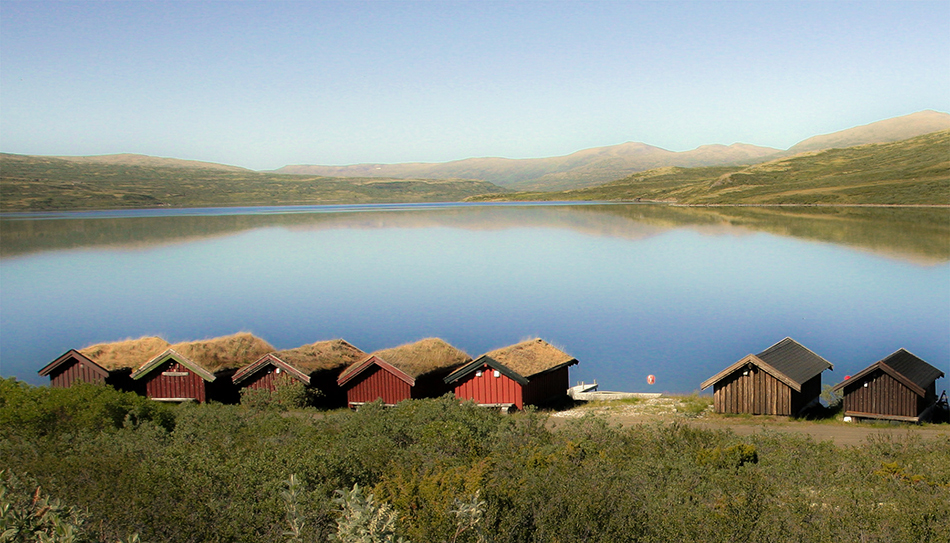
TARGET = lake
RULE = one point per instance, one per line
(629, 290)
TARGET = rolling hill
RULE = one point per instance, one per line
(30, 183)
(915, 171)
(888, 130)
(581, 169)
(592, 167)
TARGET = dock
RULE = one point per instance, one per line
(589, 392)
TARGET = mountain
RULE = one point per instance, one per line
(592, 167)
(42, 183)
(584, 168)
(129, 159)
(895, 129)
(914, 171)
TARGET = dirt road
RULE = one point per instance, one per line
(673, 409)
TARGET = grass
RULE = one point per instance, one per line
(530, 357)
(424, 356)
(129, 353)
(226, 352)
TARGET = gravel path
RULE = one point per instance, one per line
(664, 409)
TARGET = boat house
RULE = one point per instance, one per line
(104, 363)
(900, 387)
(199, 371)
(531, 372)
(414, 370)
(780, 380)
(316, 365)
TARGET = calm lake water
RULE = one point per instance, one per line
(629, 290)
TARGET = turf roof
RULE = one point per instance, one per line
(531, 357)
(322, 355)
(226, 352)
(419, 358)
(126, 354)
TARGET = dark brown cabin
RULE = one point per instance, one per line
(74, 367)
(104, 363)
(781, 380)
(899, 387)
(200, 370)
(415, 370)
(532, 372)
(316, 365)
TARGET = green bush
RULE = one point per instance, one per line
(450, 471)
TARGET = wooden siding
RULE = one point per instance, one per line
(488, 389)
(546, 387)
(883, 395)
(757, 393)
(267, 378)
(172, 380)
(376, 383)
(75, 372)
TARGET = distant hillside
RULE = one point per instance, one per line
(592, 167)
(129, 159)
(896, 129)
(581, 169)
(31, 183)
(915, 171)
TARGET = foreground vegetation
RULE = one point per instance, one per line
(52, 184)
(439, 471)
(910, 172)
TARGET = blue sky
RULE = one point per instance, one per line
(265, 84)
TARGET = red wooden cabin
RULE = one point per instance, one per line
(105, 363)
(316, 365)
(266, 372)
(780, 380)
(899, 387)
(74, 367)
(415, 370)
(173, 377)
(531, 372)
(199, 370)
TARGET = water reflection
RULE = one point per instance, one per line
(629, 290)
(921, 235)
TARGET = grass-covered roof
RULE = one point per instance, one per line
(417, 359)
(226, 352)
(322, 355)
(531, 357)
(125, 354)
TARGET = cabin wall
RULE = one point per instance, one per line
(267, 378)
(67, 374)
(883, 395)
(547, 387)
(488, 389)
(756, 393)
(376, 383)
(173, 380)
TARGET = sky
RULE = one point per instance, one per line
(267, 84)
